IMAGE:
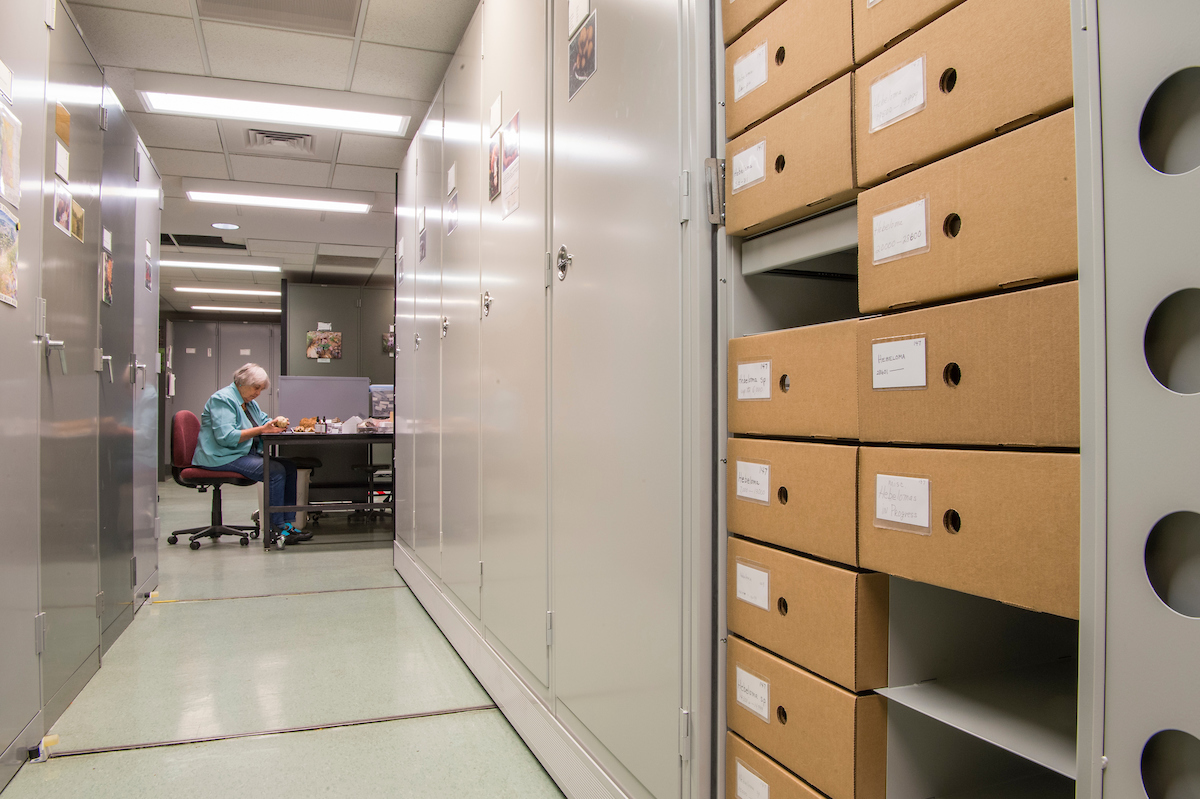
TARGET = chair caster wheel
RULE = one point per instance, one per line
(254, 535)
(194, 545)
(172, 539)
(245, 541)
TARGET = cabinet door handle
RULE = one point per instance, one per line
(61, 346)
(565, 259)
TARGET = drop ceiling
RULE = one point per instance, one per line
(395, 49)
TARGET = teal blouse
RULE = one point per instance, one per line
(220, 428)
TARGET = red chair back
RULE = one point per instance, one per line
(185, 432)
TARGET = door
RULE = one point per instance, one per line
(195, 361)
(461, 190)
(239, 343)
(513, 345)
(616, 420)
(116, 434)
(70, 573)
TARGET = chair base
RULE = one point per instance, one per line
(215, 531)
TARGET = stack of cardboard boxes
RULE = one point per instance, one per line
(937, 443)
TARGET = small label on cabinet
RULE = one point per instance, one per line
(749, 167)
(900, 231)
(902, 500)
(754, 381)
(753, 585)
(189, 350)
(754, 694)
(754, 482)
(750, 785)
(243, 352)
(899, 363)
(750, 72)
(898, 94)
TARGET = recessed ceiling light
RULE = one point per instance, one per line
(248, 292)
(226, 226)
(256, 111)
(228, 267)
(239, 310)
(294, 203)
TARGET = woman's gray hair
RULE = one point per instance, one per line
(251, 375)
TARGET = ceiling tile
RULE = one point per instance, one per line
(265, 245)
(399, 72)
(141, 41)
(352, 250)
(180, 133)
(378, 151)
(121, 81)
(190, 163)
(364, 178)
(271, 56)
(429, 26)
(174, 8)
(279, 170)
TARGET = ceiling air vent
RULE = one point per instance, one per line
(330, 17)
(274, 141)
(185, 240)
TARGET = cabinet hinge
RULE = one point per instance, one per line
(481, 570)
(549, 628)
(103, 117)
(685, 735)
(714, 178)
(546, 282)
(685, 198)
(39, 632)
(99, 604)
(137, 169)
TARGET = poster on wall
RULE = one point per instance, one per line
(9, 238)
(494, 167)
(323, 344)
(581, 57)
(452, 214)
(10, 157)
(62, 207)
(510, 139)
(149, 275)
(389, 344)
(77, 221)
(106, 273)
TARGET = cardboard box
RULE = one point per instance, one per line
(831, 738)
(739, 15)
(749, 774)
(829, 620)
(879, 25)
(799, 46)
(810, 490)
(1001, 525)
(983, 68)
(997, 371)
(996, 216)
(796, 164)
(797, 382)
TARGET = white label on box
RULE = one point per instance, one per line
(754, 481)
(898, 94)
(870, 3)
(900, 231)
(898, 364)
(902, 500)
(750, 72)
(750, 785)
(243, 352)
(754, 694)
(753, 585)
(749, 166)
(754, 380)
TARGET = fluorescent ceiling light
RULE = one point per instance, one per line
(255, 111)
(239, 310)
(296, 203)
(229, 267)
(225, 226)
(248, 292)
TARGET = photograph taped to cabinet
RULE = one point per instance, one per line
(581, 57)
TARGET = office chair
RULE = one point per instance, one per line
(185, 430)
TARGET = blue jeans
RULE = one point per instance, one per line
(283, 482)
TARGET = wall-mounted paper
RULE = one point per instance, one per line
(324, 325)
(62, 162)
(106, 239)
(511, 138)
(10, 157)
(581, 57)
(5, 83)
(577, 12)
(9, 240)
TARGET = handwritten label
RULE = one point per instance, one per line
(754, 694)
(898, 94)
(900, 231)
(754, 381)
(750, 72)
(902, 500)
(753, 586)
(750, 785)
(754, 481)
(898, 364)
(748, 167)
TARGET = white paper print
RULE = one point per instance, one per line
(902, 500)
(243, 352)
(325, 326)
(754, 694)
(510, 139)
(750, 785)
(577, 12)
(754, 381)
(900, 231)
(189, 350)
(62, 162)
(749, 167)
(753, 586)
(750, 72)
(451, 179)
(10, 157)
(106, 239)
(5, 83)
(898, 364)
(754, 481)
(496, 115)
(898, 94)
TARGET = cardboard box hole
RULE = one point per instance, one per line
(779, 162)
(952, 521)
(948, 80)
(781, 714)
(782, 494)
(780, 54)
(952, 374)
(952, 226)
(782, 605)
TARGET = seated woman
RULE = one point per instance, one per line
(229, 440)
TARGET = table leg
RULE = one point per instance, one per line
(265, 521)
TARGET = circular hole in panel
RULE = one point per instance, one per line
(952, 374)
(782, 605)
(781, 714)
(952, 226)
(780, 162)
(1170, 129)
(785, 384)
(782, 494)
(952, 520)
(1172, 342)
(948, 80)
(1173, 561)
(780, 54)
(1171, 765)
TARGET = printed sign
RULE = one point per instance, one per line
(753, 586)
(898, 94)
(754, 481)
(901, 500)
(899, 232)
(754, 694)
(754, 380)
(750, 72)
(749, 167)
(898, 364)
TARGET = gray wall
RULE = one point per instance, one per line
(362, 316)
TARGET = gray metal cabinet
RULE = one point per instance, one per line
(461, 190)
(514, 346)
(406, 248)
(195, 363)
